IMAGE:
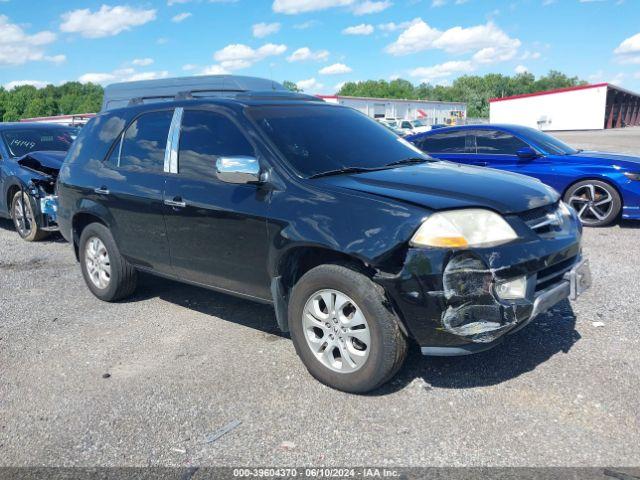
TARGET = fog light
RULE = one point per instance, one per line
(513, 289)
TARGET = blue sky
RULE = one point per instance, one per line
(317, 43)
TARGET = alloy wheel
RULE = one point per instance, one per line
(97, 263)
(23, 217)
(336, 331)
(593, 203)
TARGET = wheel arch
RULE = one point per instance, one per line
(79, 222)
(606, 180)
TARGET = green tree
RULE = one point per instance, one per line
(289, 85)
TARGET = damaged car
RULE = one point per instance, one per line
(360, 241)
(31, 155)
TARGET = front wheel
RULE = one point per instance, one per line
(24, 219)
(598, 204)
(344, 330)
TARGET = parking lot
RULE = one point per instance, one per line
(146, 381)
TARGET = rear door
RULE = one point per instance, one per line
(450, 145)
(130, 185)
(217, 230)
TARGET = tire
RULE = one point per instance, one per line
(387, 346)
(28, 230)
(96, 241)
(598, 204)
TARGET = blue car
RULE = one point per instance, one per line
(600, 186)
(31, 155)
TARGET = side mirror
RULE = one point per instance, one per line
(527, 153)
(240, 170)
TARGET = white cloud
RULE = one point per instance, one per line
(440, 72)
(629, 50)
(521, 69)
(392, 26)
(18, 47)
(438, 3)
(367, 7)
(181, 17)
(335, 69)
(362, 29)
(305, 53)
(305, 25)
(293, 7)
(261, 30)
(19, 83)
(142, 62)
(121, 75)
(238, 56)
(310, 85)
(176, 2)
(488, 41)
(105, 22)
(189, 67)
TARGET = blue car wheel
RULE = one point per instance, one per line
(597, 203)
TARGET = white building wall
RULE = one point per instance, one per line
(406, 110)
(570, 110)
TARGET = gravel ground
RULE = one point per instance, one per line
(184, 362)
(623, 140)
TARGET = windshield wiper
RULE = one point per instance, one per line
(410, 161)
(345, 170)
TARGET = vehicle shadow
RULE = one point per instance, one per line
(7, 224)
(629, 224)
(520, 353)
(225, 307)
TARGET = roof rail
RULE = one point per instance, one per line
(124, 94)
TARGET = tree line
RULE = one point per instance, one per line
(75, 97)
(474, 90)
(28, 101)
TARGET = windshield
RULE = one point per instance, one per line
(549, 144)
(317, 139)
(21, 141)
(420, 123)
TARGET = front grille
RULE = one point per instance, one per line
(553, 274)
(540, 219)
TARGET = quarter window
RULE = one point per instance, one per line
(205, 136)
(145, 141)
(450, 142)
(494, 142)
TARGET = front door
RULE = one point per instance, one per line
(217, 231)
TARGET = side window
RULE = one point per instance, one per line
(494, 142)
(406, 125)
(144, 142)
(204, 137)
(450, 142)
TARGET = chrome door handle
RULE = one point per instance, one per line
(175, 203)
(102, 191)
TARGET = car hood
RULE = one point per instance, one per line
(620, 159)
(443, 185)
(46, 163)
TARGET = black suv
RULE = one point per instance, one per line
(359, 240)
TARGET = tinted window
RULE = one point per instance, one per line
(204, 137)
(549, 144)
(494, 142)
(321, 138)
(449, 142)
(22, 141)
(145, 141)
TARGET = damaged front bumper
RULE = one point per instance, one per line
(457, 303)
(46, 208)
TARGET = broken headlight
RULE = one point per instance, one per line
(471, 227)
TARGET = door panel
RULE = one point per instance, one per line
(131, 185)
(217, 230)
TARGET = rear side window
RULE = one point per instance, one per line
(204, 137)
(144, 142)
(450, 142)
(495, 142)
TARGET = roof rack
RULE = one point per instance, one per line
(125, 94)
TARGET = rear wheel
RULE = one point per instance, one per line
(107, 273)
(22, 213)
(343, 329)
(598, 204)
